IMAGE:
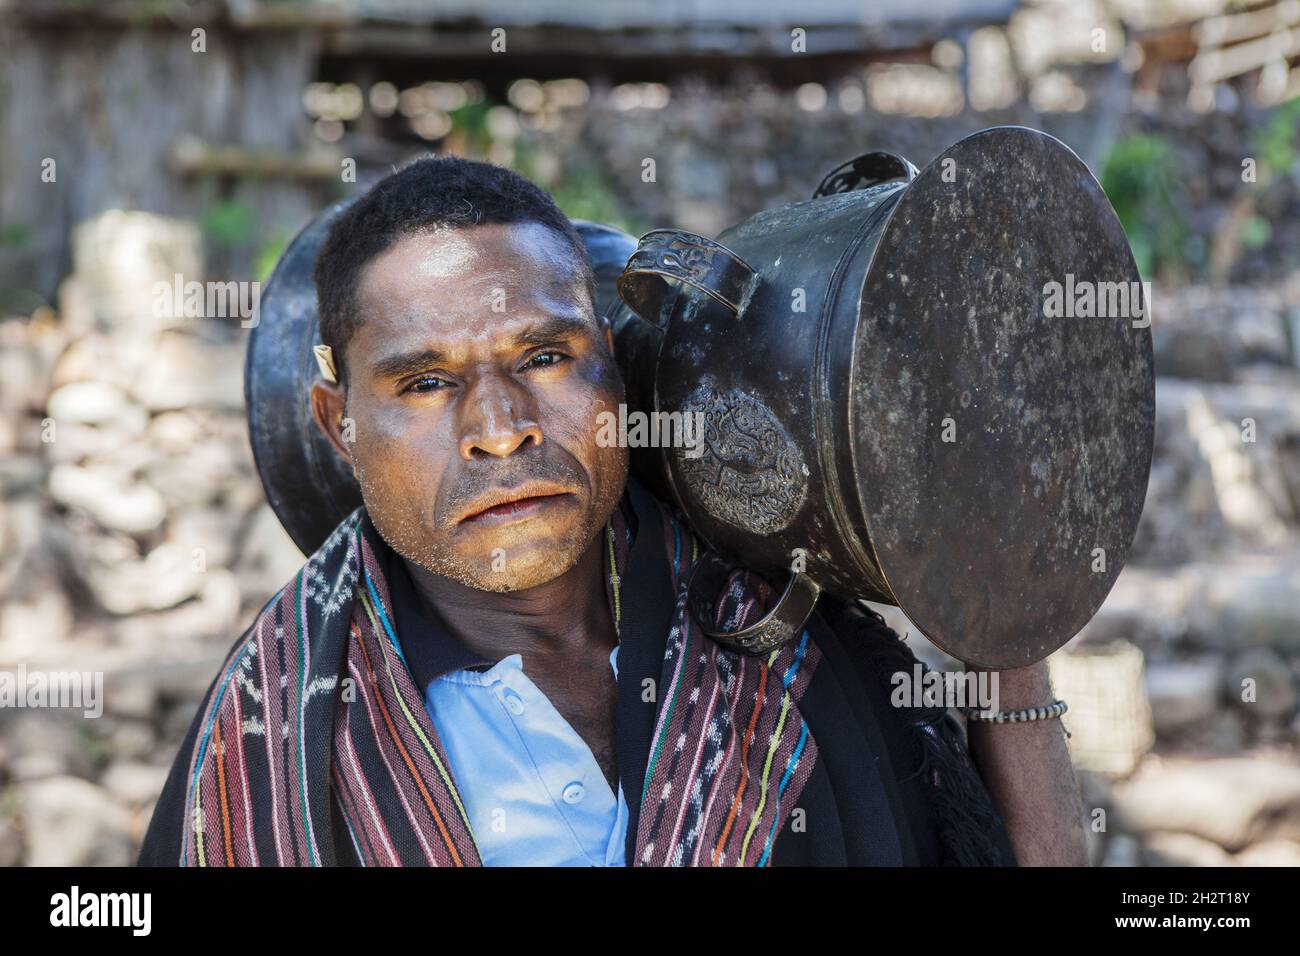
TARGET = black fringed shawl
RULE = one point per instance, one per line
(944, 807)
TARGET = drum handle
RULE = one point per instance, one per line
(865, 171)
(706, 265)
(782, 624)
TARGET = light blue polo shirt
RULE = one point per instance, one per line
(532, 788)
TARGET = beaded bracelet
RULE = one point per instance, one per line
(1055, 709)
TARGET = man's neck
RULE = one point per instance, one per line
(562, 618)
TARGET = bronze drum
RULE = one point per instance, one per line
(933, 389)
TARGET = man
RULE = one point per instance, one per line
(492, 660)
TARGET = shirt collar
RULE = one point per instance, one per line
(430, 651)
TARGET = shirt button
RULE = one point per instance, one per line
(574, 792)
(514, 703)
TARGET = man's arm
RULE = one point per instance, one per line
(1026, 768)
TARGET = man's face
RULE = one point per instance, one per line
(474, 381)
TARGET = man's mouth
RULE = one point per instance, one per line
(503, 505)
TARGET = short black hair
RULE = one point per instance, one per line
(430, 192)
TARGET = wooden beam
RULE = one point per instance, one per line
(193, 157)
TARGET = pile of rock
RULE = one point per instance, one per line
(1221, 811)
(1212, 596)
(134, 538)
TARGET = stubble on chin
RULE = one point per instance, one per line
(491, 569)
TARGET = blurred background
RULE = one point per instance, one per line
(142, 140)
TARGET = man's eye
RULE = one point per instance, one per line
(543, 359)
(426, 383)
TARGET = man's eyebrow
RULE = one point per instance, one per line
(404, 363)
(544, 333)
(557, 327)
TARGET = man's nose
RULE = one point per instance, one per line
(498, 420)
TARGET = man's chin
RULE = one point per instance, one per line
(519, 570)
(520, 556)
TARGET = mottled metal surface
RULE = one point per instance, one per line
(988, 540)
(770, 357)
(307, 484)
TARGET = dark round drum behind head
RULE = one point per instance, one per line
(1001, 455)
(310, 488)
(308, 485)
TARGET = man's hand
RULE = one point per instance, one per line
(1027, 770)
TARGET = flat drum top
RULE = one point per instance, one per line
(1002, 398)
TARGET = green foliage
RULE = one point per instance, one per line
(233, 225)
(228, 224)
(1275, 144)
(1256, 232)
(16, 236)
(16, 300)
(1142, 178)
(470, 121)
(269, 254)
(98, 750)
(583, 192)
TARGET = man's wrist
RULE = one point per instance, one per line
(1020, 687)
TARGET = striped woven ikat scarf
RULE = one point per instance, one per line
(315, 713)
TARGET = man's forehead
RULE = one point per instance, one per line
(498, 267)
(508, 254)
(458, 288)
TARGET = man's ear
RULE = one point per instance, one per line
(328, 401)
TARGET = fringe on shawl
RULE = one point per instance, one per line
(971, 830)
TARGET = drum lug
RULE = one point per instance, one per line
(684, 257)
(865, 171)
